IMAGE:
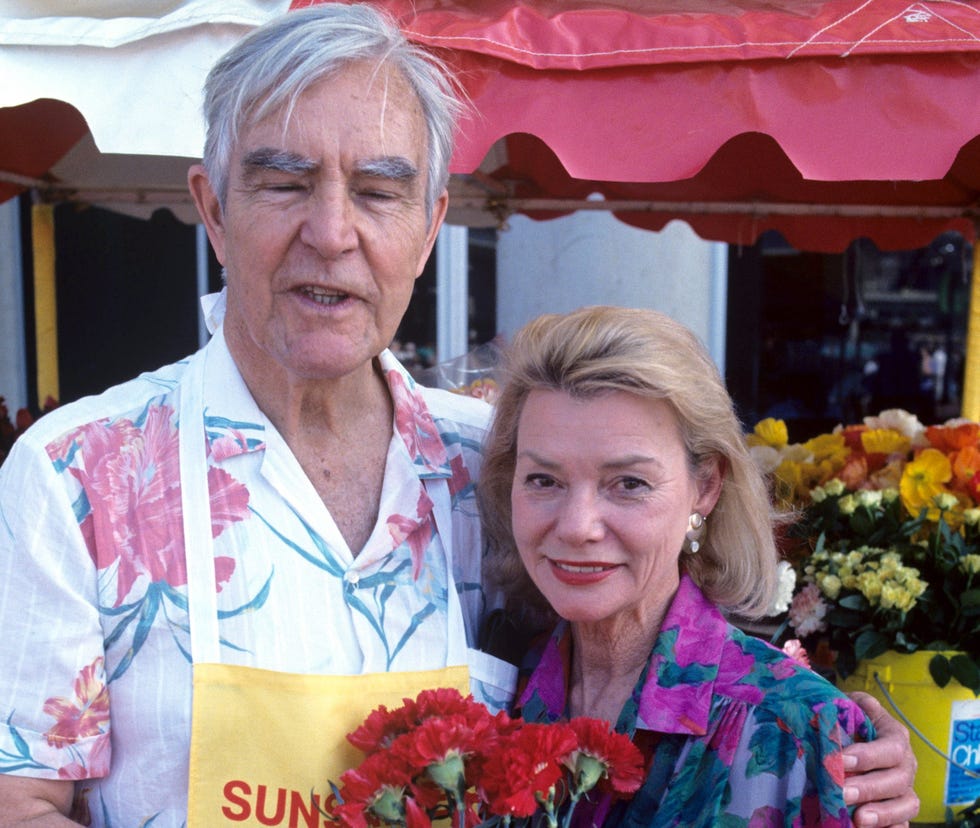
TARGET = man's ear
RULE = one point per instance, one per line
(208, 207)
(438, 217)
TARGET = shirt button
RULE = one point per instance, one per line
(352, 577)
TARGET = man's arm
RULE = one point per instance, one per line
(880, 773)
(38, 803)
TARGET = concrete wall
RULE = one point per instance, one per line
(591, 258)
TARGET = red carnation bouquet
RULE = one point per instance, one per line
(443, 755)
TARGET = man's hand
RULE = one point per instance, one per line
(880, 773)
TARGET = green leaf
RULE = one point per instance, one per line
(939, 669)
(967, 672)
(869, 644)
(854, 602)
(970, 598)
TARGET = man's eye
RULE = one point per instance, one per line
(378, 195)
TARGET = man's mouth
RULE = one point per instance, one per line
(323, 296)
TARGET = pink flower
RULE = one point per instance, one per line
(415, 424)
(84, 715)
(132, 480)
(417, 532)
(97, 765)
(461, 476)
(795, 650)
(806, 613)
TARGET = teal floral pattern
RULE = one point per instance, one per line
(739, 734)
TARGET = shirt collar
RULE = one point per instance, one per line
(233, 421)
(414, 423)
(681, 675)
(235, 424)
(683, 665)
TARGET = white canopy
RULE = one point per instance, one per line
(133, 68)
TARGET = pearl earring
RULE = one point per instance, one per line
(695, 531)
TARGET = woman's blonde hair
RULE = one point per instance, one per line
(597, 350)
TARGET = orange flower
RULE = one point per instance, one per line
(966, 464)
(950, 438)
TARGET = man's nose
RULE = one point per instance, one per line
(328, 225)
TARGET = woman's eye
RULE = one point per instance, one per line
(539, 481)
(633, 484)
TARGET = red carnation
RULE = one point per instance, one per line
(605, 757)
(376, 788)
(382, 727)
(525, 767)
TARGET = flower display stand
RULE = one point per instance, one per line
(948, 718)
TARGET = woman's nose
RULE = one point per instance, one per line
(580, 519)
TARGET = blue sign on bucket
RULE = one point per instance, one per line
(963, 781)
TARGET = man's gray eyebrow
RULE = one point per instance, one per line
(393, 167)
(266, 158)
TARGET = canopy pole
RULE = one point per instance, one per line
(971, 367)
(45, 303)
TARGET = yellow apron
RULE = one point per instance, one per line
(265, 744)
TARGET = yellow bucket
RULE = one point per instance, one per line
(948, 717)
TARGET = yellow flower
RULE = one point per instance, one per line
(870, 585)
(847, 504)
(885, 441)
(794, 480)
(897, 597)
(945, 501)
(869, 498)
(971, 517)
(834, 487)
(923, 479)
(830, 586)
(769, 432)
(828, 448)
(970, 564)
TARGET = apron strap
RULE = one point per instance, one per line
(438, 490)
(196, 510)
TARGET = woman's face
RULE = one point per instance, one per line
(601, 497)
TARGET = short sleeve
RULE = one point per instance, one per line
(54, 704)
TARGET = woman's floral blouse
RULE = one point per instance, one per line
(739, 734)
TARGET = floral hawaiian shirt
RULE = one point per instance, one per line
(739, 734)
(95, 672)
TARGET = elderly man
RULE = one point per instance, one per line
(188, 561)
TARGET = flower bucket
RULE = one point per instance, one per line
(948, 717)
